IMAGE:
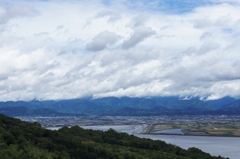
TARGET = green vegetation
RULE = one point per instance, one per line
(22, 140)
(212, 129)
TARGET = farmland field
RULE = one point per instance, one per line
(196, 129)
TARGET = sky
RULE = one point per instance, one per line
(64, 49)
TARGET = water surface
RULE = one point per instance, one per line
(224, 146)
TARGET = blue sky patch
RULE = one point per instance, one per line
(168, 6)
(180, 6)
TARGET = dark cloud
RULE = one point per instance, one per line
(206, 35)
(208, 46)
(202, 23)
(8, 13)
(112, 16)
(102, 41)
(140, 20)
(139, 34)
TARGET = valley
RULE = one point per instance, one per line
(193, 125)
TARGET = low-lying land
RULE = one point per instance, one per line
(212, 129)
(179, 125)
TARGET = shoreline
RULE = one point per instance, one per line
(166, 134)
(144, 130)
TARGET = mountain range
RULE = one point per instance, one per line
(122, 106)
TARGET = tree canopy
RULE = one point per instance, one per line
(21, 140)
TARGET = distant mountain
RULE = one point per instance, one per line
(219, 103)
(76, 106)
(190, 104)
(233, 108)
(166, 101)
(140, 103)
(23, 111)
(30, 104)
(15, 111)
(127, 106)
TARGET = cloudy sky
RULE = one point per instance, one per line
(62, 49)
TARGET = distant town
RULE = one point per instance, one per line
(221, 125)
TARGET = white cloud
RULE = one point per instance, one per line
(69, 49)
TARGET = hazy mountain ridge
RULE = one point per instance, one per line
(126, 106)
(23, 111)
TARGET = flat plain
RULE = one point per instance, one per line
(199, 129)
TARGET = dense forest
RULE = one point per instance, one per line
(23, 140)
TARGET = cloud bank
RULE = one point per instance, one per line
(71, 49)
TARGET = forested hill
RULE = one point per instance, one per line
(23, 140)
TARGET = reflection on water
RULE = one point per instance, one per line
(224, 146)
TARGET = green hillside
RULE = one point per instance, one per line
(23, 140)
